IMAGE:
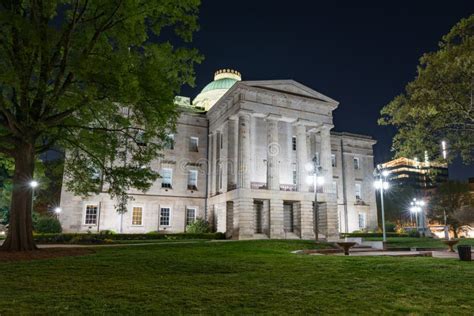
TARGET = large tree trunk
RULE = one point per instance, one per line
(20, 230)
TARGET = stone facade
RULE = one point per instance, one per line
(254, 144)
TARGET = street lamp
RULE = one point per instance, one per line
(317, 180)
(417, 209)
(33, 184)
(381, 184)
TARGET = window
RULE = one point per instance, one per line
(91, 214)
(358, 191)
(190, 216)
(293, 142)
(220, 177)
(193, 144)
(334, 187)
(170, 142)
(137, 215)
(356, 163)
(221, 140)
(295, 175)
(167, 178)
(140, 138)
(165, 216)
(333, 160)
(316, 154)
(362, 221)
(192, 179)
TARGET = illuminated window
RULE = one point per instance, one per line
(167, 178)
(193, 144)
(165, 216)
(333, 160)
(334, 188)
(91, 214)
(192, 179)
(190, 215)
(137, 215)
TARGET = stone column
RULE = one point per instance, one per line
(325, 157)
(231, 152)
(213, 164)
(273, 154)
(210, 165)
(243, 208)
(301, 157)
(328, 220)
(307, 219)
(224, 157)
(243, 176)
(276, 219)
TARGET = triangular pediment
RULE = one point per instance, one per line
(290, 87)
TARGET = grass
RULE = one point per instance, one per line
(244, 277)
(408, 242)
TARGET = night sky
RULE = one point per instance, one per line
(360, 53)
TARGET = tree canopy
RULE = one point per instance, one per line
(97, 79)
(439, 104)
(454, 200)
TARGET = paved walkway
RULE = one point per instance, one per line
(434, 254)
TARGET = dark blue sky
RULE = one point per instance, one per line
(361, 53)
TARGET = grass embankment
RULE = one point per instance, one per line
(243, 277)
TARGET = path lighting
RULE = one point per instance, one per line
(57, 210)
(33, 184)
(381, 184)
(416, 207)
(317, 180)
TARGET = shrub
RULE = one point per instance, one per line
(90, 238)
(414, 233)
(199, 226)
(390, 227)
(47, 225)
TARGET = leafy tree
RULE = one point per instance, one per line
(454, 201)
(439, 104)
(96, 78)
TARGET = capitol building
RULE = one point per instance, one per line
(248, 157)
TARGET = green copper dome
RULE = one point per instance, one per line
(224, 83)
(224, 79)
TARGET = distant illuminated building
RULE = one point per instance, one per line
(417, 174)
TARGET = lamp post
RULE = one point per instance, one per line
(316, 179)
(33, 185)
(381, 184)
(417, 209)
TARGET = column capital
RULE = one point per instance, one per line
(303, 122)
(245, 113)
(273, 117)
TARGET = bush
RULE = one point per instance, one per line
(390, 227)
(88, 238)
(47, 225)
(199, 226)
(414, 233)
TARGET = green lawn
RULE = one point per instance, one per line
(404, 242)
(244, 277)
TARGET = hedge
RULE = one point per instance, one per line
(389, 234)
(102, 238)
